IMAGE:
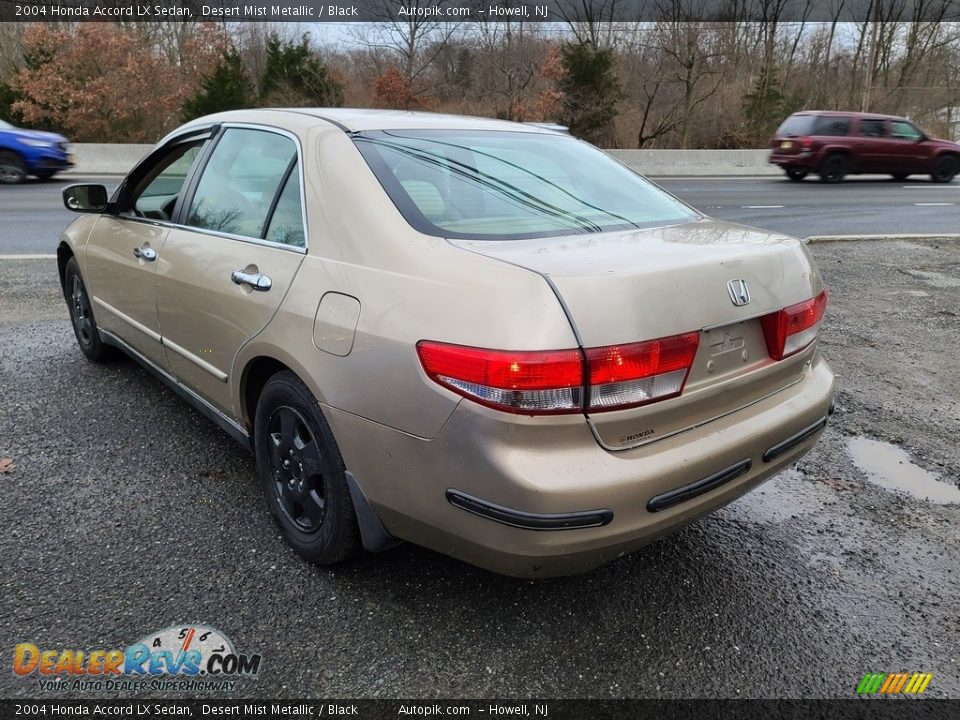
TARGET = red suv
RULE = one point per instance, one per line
(836, 144)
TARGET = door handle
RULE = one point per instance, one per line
(148, 254)
(257, 281)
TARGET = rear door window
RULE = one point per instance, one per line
(873, 128)
(832, 126)
(240, 182)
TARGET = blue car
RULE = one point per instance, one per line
(31, 152)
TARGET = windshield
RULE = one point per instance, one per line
(6, 126)
(493, 185)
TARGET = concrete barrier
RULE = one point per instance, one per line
(106, 158)
(694, 163)
(115, 159)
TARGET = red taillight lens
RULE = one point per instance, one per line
(523, 382)
(805, 142)
(790, 330)
(629, 375)
(551, 382)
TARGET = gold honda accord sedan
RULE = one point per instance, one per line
(484, 337)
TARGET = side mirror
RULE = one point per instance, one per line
(85, 198)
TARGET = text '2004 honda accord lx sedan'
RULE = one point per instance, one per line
(484, 337)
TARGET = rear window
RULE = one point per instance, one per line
(796, 125)
(833, 126)
(492, 185)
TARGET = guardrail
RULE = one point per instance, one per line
(116, 159)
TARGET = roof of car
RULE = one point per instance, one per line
(852, 113)
(359, 119)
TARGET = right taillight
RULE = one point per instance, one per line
(790, 330)
(563, 381)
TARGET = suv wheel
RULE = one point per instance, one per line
(12, 169)
(900, 177)
(302, 473)
(81, 315)
(834, 169)
(795, 174)
(945, 169)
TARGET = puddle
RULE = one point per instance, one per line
(889, 467)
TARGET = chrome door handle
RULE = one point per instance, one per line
(148, 254)
(257, 281)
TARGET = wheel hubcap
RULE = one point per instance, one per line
(297, 468)
(80, 311)
(10, 172)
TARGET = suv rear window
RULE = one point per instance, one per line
(493, 185)
(796, 125)
(833, 126)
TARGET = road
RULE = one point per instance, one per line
(127, 512)
(33, 214)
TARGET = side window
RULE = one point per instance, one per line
(238, 186)
(155, 194)
(286, 224)
(905, 131)
(872, 128)
(832, 126)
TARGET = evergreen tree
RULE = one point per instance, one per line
(293, 74)
(591, 92)
(764, 106)
(226, 88)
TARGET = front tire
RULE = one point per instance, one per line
(835, 169)
(12, 168)
(302, 474)
(45, 174)
(81, 315)
(795, 174)
(946, 169)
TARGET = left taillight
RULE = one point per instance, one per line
(563, 381)
(790, 330)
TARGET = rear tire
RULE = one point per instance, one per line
(946, 169)
(835, 169)
(899, 177)
(795, 174)
(302, 474)
(81, 315)
(12, 168)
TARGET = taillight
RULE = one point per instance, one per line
(805, 142)
(622, 376)
(790, 330)
(563, 381)
(535, 383)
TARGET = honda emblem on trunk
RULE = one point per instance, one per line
(739, 293)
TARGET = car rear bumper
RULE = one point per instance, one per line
(520, 501)
(806, 160)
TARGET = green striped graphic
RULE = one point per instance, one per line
(871, 683)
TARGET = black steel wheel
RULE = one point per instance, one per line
(835, 169)
(81, 315)
(302, 473)
(297, 467)
(946, 169)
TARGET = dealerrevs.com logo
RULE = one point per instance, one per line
(180, 657)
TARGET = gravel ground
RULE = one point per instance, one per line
(127, 512)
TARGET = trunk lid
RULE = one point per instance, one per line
(629, 286)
